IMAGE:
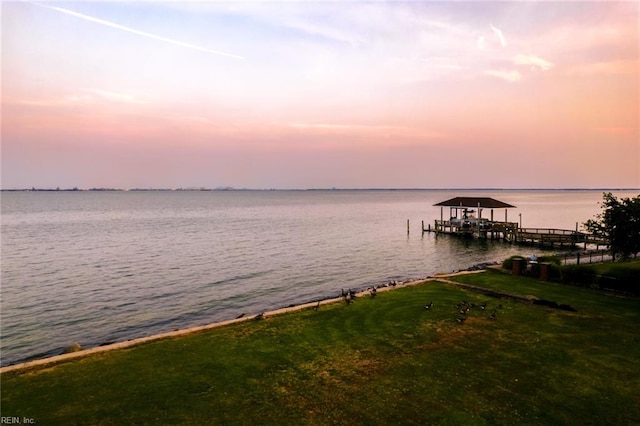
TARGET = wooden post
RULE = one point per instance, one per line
(407, 226)
(423, 226)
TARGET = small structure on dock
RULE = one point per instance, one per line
(465, 218)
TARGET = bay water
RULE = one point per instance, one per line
(96, 267)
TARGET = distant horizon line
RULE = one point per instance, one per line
(229, 188)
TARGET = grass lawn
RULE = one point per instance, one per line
(383, 360)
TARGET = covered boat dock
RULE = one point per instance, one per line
(465, 218)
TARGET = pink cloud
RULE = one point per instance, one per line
(535, 62)
(510, 76)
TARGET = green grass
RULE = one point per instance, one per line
(378, 361)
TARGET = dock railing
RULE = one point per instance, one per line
(562, 236)
(551, 235)
(552, 231)
(586, 257)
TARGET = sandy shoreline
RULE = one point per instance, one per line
(178, 333)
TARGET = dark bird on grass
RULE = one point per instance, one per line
(428, 306)
(493, 315)
(240, 316)
(260, 316)
(483, 306)
(461, 319)
(464, 311)
(463, 305)
(373, 292)
(315, 308)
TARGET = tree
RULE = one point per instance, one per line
(619, 223)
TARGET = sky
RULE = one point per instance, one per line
(320, 94)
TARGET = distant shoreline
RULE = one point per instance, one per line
(231, 189)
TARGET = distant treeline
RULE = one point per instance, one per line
(116, 189)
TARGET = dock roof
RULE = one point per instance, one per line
(483, 202)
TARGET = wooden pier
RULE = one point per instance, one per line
(472, 228)
(465, 219)
(549, 236)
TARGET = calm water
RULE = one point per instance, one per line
(97, 267)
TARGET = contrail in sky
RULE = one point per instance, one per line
(138, 32)
(500, 35)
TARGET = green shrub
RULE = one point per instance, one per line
(622, 276)
(554, 260)
(618, 276)
(582, 275)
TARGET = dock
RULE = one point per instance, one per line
(550, 236)
(465, 219)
